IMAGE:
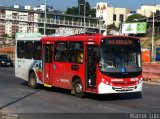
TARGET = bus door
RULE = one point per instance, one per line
(47, 63)
(90, 68)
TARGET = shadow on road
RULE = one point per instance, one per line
(114, 97)
(105, 97)
(25, 83)
(19, 99)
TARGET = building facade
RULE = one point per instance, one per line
(117, 16)
(111, 15)
(14, 20)
(147, 10)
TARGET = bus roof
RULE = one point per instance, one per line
(77, 37)
(29, 39)
(82, 37)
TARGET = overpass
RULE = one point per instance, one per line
(56, 22)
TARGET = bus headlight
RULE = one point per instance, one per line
(134, 79)
(140, 81)
(105, 82)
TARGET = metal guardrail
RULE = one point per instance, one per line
(79, 24)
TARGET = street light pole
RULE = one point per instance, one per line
(152, 39)
(84, 16)
(45, 17)
(79, 8)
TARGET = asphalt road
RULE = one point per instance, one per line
(17, 98)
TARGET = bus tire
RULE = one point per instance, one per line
(33, 80)
(78, 88)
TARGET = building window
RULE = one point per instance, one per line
(114, 17)
(76, 52)
(121, 17)
(61, 52)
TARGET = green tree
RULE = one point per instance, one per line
(157, 13)
(13, 36)
(73, 10)
(93, 12)
(112, 27)
(79, 10)
(135, 17)
(5, 35)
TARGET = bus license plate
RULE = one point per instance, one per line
(125, 88)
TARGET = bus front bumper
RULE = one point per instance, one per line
(107, 89)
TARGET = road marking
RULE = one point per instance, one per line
(113, 109)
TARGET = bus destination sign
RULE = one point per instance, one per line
(120, 42)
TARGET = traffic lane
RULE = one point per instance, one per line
(16, 96)
(11, 88)
(148, 103)
(45, 102)
(57, 101)
(53, 101)
(21, 98)
(60, 101)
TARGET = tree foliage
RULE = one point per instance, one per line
(157, 13)
(13, 36)
(5, 36)
(79, 9)
(135, 17)
(112, 27)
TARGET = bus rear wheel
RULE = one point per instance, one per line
(33, 80)
(78, 88)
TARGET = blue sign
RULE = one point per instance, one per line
(158, 54)
(123, 69)
(54, 66)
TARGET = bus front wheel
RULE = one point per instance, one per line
(33, 80)
(78, 88)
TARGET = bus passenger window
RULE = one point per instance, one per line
(37, 51)
(20, 49)
(76, 52)
(60, 53)
(28, 49)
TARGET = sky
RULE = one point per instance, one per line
(64, 4)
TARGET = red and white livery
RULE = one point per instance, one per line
(82, 63)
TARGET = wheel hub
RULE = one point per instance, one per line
(78, 88)
(33, 81)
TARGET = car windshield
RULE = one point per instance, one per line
(4, 57)
(120, 58)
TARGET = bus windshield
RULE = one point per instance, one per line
(120, 57)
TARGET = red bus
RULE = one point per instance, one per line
(81, 63)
